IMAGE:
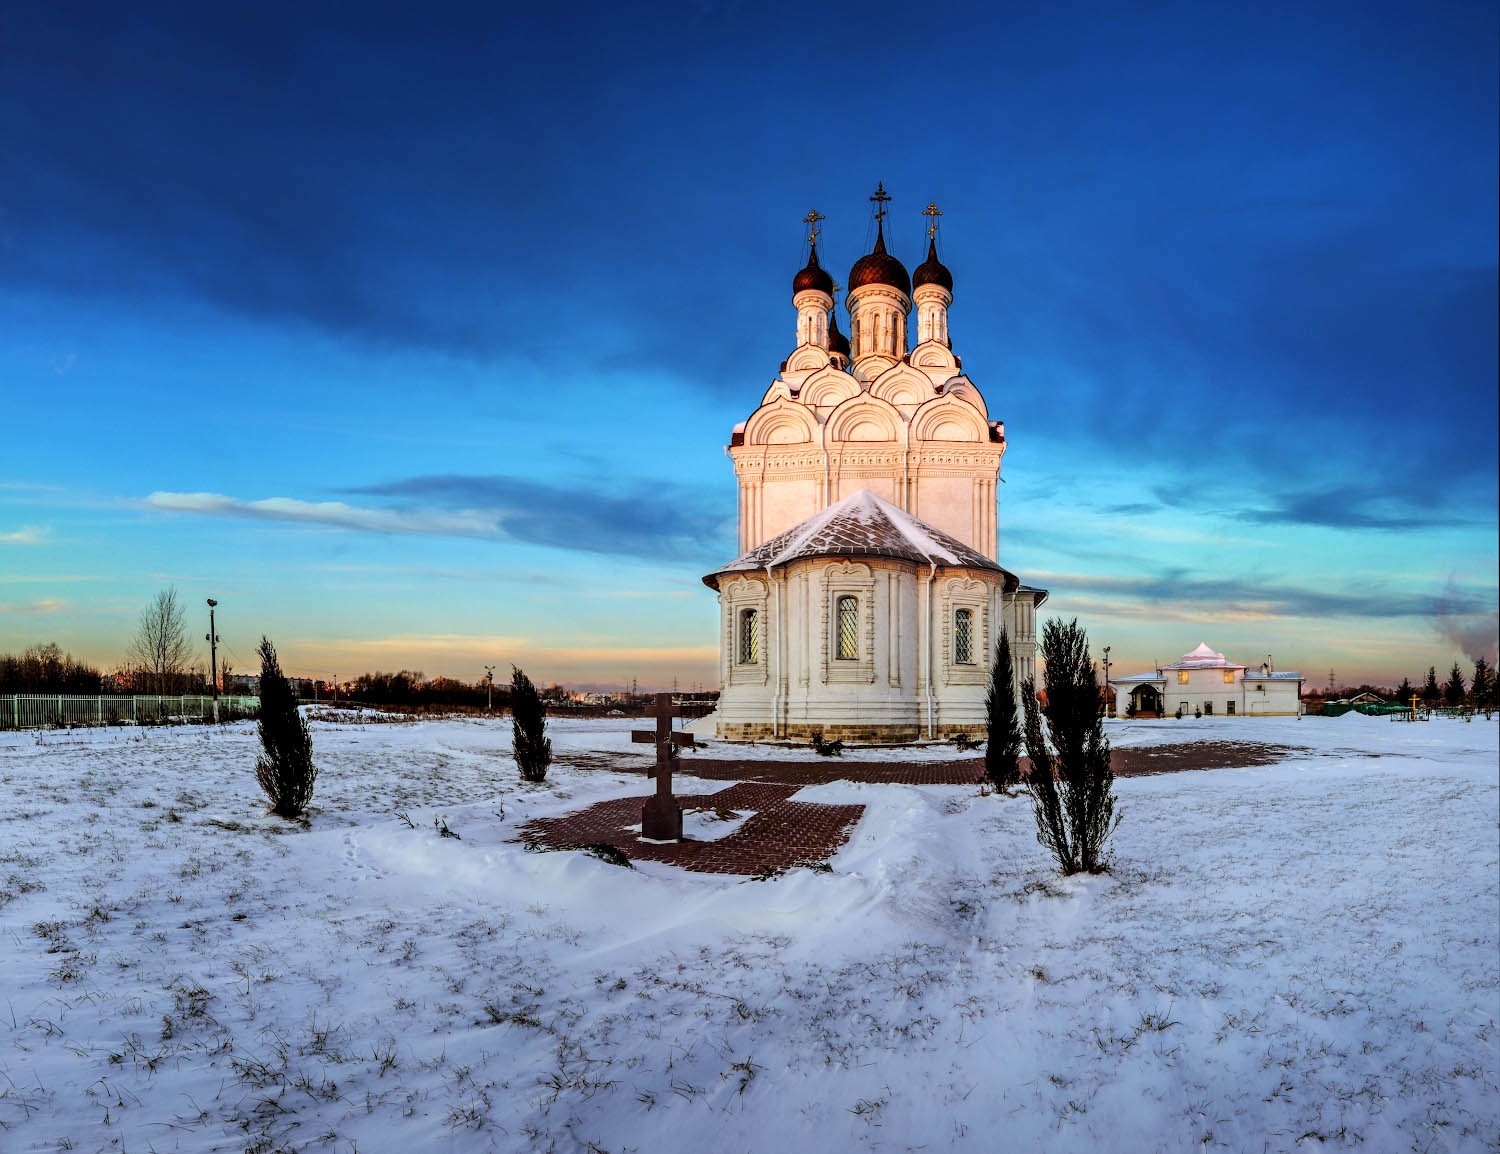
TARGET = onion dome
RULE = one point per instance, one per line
(814, 276)
(837, 341)
(879, 267)
(932, 270)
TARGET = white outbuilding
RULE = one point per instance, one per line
(1205, 682)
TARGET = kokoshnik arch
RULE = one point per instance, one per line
(868, 597)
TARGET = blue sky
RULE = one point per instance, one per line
(415, 339)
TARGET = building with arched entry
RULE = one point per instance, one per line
(1205, 683)
(868, 596)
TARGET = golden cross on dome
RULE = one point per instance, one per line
(811, 220)
(880, 198)
(932, 212)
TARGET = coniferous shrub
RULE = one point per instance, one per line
(529, 740)
(285, 768)
(1071, 783)
(1002, 750)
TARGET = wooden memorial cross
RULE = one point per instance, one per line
(661, 816)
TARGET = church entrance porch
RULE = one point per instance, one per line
(1145, 701)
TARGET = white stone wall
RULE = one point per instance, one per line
(910, 428)
(884, 693)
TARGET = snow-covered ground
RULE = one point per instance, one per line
(1301, 956)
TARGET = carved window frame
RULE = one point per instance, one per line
(848, 580)
(959, 593)
(740, 594)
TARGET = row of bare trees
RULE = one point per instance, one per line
(159, 658)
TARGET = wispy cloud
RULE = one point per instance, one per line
(648, 519)
(1353, 507)
(1176, 592)
(40, 608)
(446, 523)
(27, 535)
(651, 521)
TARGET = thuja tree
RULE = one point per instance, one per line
(285, 768)
(529, 740)
(1071, 783)
(1002, 751)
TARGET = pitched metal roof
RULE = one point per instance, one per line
(863, 525)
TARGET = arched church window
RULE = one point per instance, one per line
(846, 641)
(963, 637)
(749, 636)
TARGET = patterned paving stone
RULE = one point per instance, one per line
(785, 833)
(781, 833)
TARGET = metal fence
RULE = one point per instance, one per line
(56, 710)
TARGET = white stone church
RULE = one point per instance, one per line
(868, 596)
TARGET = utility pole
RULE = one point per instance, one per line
(213, 656)
(489, 689)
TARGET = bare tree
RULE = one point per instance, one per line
(160, 649)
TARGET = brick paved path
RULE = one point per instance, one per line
(784, 833)
(780, 835)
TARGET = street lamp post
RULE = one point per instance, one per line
(1109, 701)
(489, 689)
(213, 656)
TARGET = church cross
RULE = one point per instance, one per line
(880, 198)
(661, 816)
(932, 212)
(811, 220)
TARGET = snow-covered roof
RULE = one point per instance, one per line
(863, 525)
(1203, 658)
(1280, 675)
(1135, 678)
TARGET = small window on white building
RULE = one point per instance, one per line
(963, 637)
(749, 636)
(1182, 676)
(1229, 708)
(1229, 677)
(846, 638)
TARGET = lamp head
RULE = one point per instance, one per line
(211, 602)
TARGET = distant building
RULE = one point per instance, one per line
(1205, 682)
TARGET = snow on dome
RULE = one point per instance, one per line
(1203, 655)
(862, 525)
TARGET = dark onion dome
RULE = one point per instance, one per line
(837, 341)
(814, 276)
(932, 270)
(879, 267)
